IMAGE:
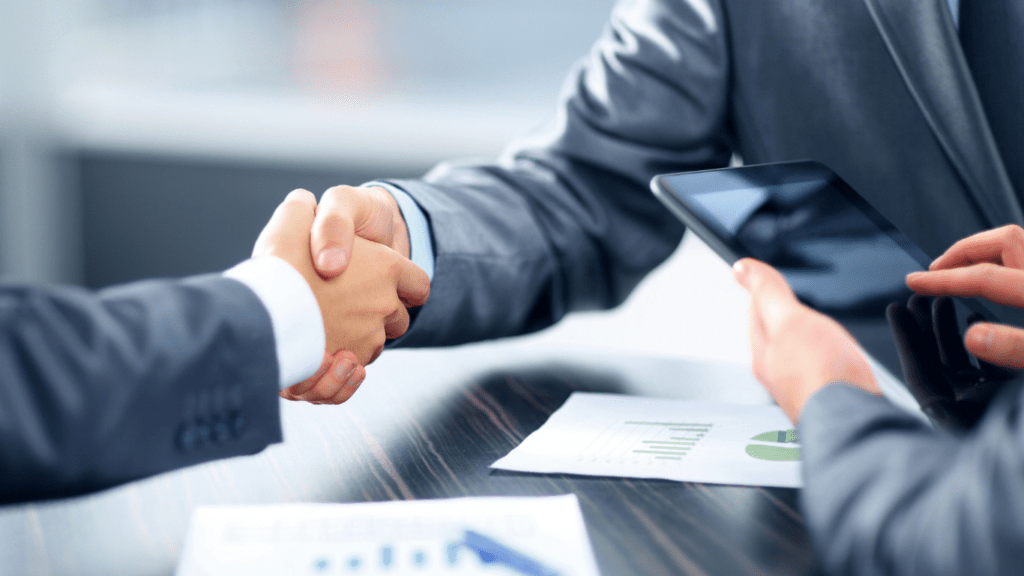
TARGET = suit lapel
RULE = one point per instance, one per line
(924, 44)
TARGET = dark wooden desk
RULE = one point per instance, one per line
(427, 425)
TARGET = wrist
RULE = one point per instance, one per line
(295, 314)
(400, 232)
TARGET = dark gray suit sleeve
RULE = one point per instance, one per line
(566, 221)
(102, 388)
(887, 494)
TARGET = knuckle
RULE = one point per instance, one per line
(399, 325)
(335, 194)
(1013, 234)
(986, 271)
(332, 222)
(1014, 342)
(323, 390)
(422, 296)
(335, 191)
(313, 394)
(375, 346)
(301, 195)
(758, 368)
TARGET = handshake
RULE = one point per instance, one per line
(353, 251)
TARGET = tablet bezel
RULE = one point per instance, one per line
(674, 189)
(666, 187)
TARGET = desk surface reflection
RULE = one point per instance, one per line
(427, 425)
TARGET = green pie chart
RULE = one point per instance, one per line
(771, 449)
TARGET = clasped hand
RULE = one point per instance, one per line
(365, 305)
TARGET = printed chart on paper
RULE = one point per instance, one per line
(691, 441)
(422, 537)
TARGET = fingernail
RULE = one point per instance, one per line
(744, 274)
(344, 370)
(740, 269)
(913, 275)
(331, 259)
(353, 381)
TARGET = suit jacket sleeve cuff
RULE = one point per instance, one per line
(299, 337)
(421, 246)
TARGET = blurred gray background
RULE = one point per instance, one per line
(145, 138)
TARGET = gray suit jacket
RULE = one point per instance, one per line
(876, 89)
(102, 388)
(887, 494)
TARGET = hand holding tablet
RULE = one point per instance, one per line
(795, 351)
(838, 254)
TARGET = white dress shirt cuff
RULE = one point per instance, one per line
(421, 247)
(294, 315)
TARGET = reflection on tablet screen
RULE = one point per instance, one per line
(839, 254)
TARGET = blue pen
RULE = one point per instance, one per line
(492, 551)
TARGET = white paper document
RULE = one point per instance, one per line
(423, 537)
(688, 441)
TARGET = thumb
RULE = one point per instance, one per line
(343, 211)
(287, 232)
(771, 298)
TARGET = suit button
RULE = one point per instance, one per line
(220, 431)
(203, 432)
(187, 437)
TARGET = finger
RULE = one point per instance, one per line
(413, 285)
(376, 353)
(769, 293)
(952, 352)
(289, 224)
(350, 387)
(371, 346)
(989, 371)
(758, 344)
(998, 344)
(343, 213)
(396, 323)
(990, 281)
(331, 382)
(1003, 246)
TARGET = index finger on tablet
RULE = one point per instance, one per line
(990, 281)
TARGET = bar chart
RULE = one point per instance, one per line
(690, 441)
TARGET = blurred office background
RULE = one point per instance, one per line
(153, 138)
(147, 138)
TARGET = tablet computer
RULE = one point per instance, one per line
(839, 254)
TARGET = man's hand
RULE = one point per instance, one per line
(345, 213)
(360, 310)
(989, 264)
(796, 350)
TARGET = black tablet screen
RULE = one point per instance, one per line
(839, 255)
